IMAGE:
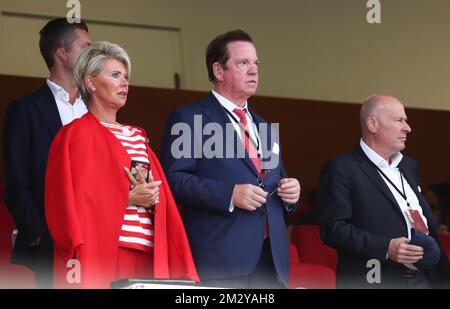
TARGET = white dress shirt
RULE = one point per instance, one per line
(230, 106)
(67, 111)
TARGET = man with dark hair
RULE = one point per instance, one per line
(58, 33)
(217, 50)
(233, 205)
(31, 122)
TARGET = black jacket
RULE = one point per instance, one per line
(359, 216)
(31, 123)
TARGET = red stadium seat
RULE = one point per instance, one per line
(11, 275)
(16, 277)
(309, 276)
(6, 228)
(310, 247)
(297, 214)
(445, 242)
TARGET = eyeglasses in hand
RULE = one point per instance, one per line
(260, 182)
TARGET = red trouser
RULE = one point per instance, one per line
(132, 263)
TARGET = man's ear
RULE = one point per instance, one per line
(218, 71)
(61, 54)
(372, 124)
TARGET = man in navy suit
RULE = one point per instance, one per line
(31, 122)
(369, 200)
(233, 205)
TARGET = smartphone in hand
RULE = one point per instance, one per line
(144, 168)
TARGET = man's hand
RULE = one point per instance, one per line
(143, 194)
(248, 197)
(289, 190)
(401, 251)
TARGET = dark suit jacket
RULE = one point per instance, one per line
(224, 244)
(359, 216)
(31, 123)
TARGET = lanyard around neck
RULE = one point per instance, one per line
(255, 144)
(402, 193)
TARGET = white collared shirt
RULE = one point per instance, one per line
(67, 112)
(230, 106)
(392, 171)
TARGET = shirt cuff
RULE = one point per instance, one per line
(231, 207)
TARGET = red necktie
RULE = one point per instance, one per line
(249, 147)
(251, 150)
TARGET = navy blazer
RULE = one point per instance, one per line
(359, 216)
(31, 123)
(224, 244)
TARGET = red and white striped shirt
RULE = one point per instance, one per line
(137, 226)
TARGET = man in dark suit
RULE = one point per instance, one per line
(235, 225)
(31, 122)
(371, 209)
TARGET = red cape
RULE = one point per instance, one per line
(85, 198)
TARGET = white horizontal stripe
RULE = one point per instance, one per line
(139, 209)
(142, 159)
(137, 219)
(136, 240)
(137, 146)
(132, 151)
(121, 132)
(114, 126)
(131, 138)
(137, 229)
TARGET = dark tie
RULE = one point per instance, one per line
(249, 147)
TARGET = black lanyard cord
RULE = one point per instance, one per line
(403, 194)
(255, 144)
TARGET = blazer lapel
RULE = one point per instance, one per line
(214, 111)
(45, 104)
(426, 210)
(407, 175)
(372, 173)
(413, 184)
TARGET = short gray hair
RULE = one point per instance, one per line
(369, 108)
(90, 62)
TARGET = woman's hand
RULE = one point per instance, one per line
(144, 193)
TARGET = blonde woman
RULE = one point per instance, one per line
(98, 237)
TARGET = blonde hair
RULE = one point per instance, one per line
(90, 62)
